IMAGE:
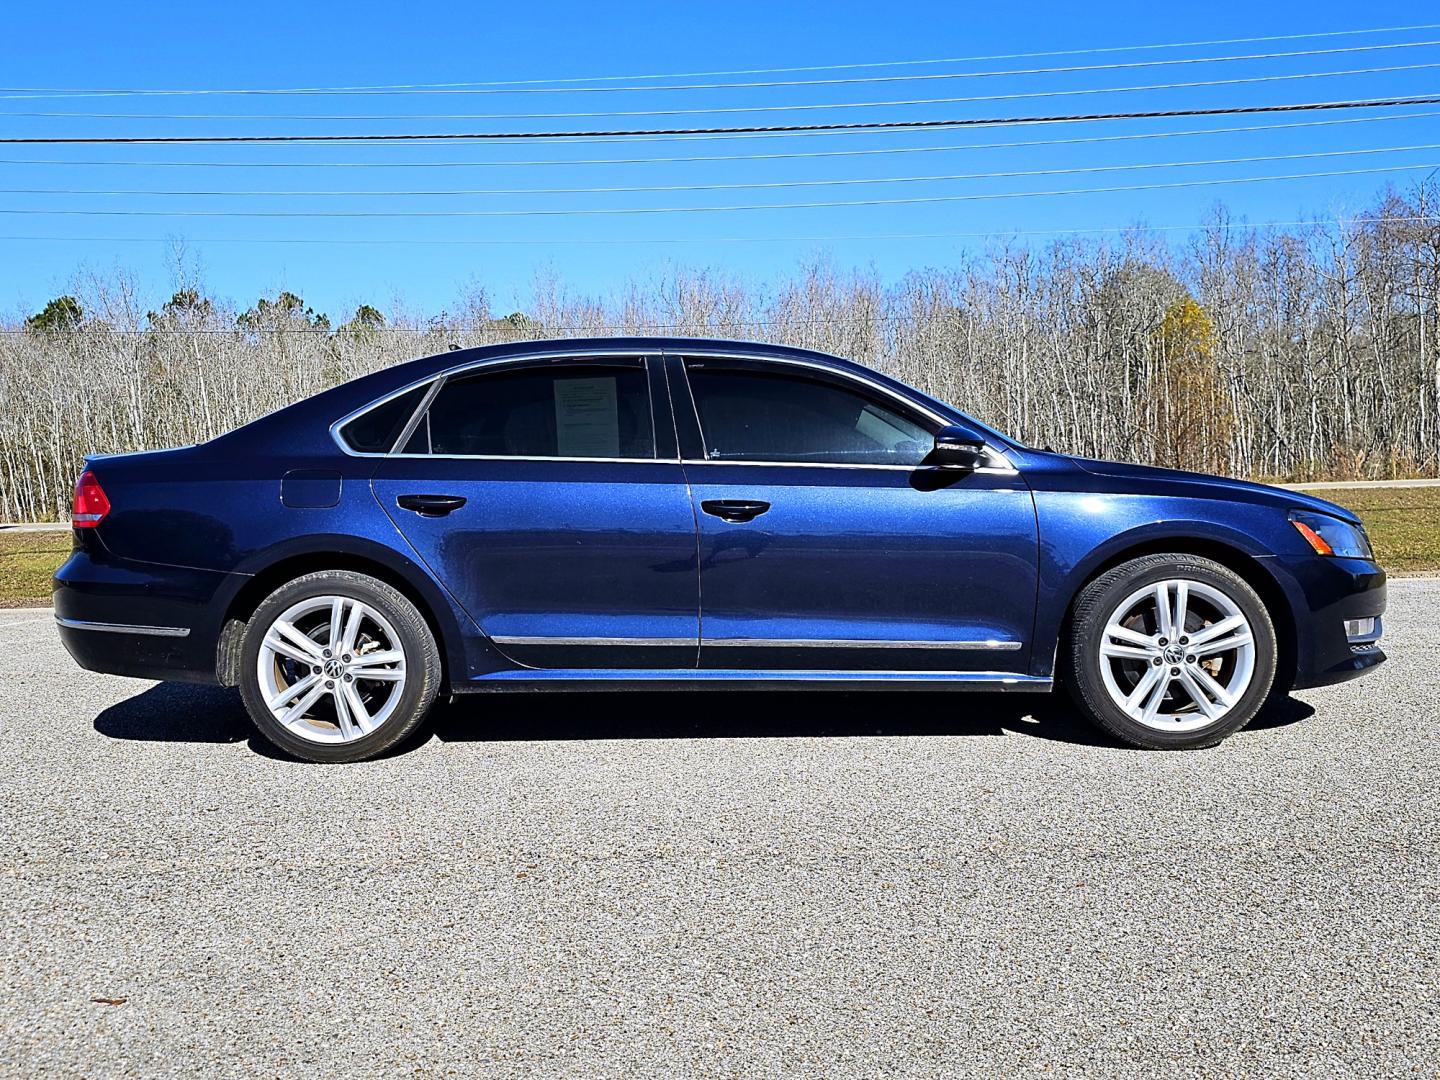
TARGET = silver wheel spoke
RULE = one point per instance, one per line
(376, 665)
(1198, 695)
(337, 618)
(1216, 629)
(1152, 705)
(301, 707)
(356, 707)
(352, 627)
(308, 645)
(275, 642)
(381, 674)
(1225, 644)
(348, 729)
(1124, 633)
(291, 692)
(1182, 599)
(1211, 687)
(1162, 609)
(1126, 652)
(1147, 683)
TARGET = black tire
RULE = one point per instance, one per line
(1081, 665)
(422, 665)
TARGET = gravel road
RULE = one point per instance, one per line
(709, 885)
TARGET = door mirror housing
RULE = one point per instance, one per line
(958, 446)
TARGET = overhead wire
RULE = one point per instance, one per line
(847, 126)
(771, 239)
(741, 186)
(872, 79)
(648, 210)
(577, 80)
(1028, 95)
(676, 159)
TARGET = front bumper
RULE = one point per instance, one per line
(1324, 594)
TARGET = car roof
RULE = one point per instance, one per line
(303, 427)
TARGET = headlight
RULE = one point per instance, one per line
(1331, 536)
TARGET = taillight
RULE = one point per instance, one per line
(91, 502)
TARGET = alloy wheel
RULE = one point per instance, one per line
(331, 669)
(1177, 655)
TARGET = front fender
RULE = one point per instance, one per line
(1082, 532)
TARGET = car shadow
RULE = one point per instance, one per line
(755, 714)
(183, 712)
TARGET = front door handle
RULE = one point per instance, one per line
(734, 509)
(430, 505)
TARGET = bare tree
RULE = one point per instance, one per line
(1307, 352)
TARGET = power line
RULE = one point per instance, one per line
(750, 186)
(625, 211)
(870, 125)
(674, 159)
(1029, 95)
(770, 239)
(852, 81)
(872, 65)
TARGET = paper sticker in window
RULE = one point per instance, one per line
(587, 418)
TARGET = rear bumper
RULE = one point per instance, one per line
(1325, 592)
(139, 619)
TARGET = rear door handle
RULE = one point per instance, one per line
(734, 509)
(430, 505)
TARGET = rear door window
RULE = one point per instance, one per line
(550, 411)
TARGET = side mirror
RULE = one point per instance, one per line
(958, 447)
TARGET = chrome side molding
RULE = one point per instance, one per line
(124, 628)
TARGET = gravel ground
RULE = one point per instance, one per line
(757, 885)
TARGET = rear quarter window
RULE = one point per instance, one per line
(375, 431)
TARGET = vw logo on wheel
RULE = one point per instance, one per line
(334, 669)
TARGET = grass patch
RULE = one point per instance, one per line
(27, 562)
(1403, 523)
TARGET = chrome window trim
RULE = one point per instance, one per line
(987, 470)
(124, 628)
(1005, 468)
(440, 377)
(349, 451)
(410, 425)
(517, 457)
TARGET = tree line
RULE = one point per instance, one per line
(1302, 352)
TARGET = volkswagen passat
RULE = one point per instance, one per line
(682, 513)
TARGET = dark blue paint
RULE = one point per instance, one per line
(867, 554)
(560, 549)
(593, 549)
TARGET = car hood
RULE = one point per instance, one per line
(1150, 478)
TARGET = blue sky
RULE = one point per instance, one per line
(274, 45)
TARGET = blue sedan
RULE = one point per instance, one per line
(654, 512)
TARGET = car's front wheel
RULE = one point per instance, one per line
(1170, 652)
(338, 666)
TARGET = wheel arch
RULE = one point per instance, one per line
(286, 566)
(1233, 557)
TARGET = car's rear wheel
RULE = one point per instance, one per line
(1170, 652)
(338, 666)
